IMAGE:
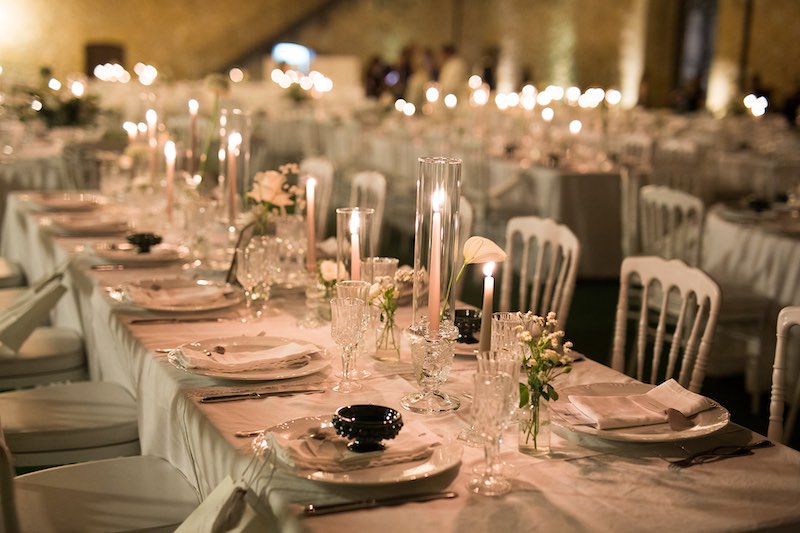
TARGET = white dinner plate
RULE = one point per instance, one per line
(65, 201)
(317, 362)
(89, 224)
(191, 294)
(126, 254)
(706, 422)
(443, 458)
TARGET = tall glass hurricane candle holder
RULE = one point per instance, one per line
(234, 159)
(432, 332)
(354, 243)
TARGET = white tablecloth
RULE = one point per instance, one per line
(748, 254)
(586, 484)
(36, 167)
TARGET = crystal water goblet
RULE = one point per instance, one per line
(360, 290)
(348, 324)
(496, 361)
(490, 408)
(254, 271)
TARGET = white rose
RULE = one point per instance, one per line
(328, 270)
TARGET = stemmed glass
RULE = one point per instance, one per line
(254, 270)
(503, 361)
(360, 290)
(349, 318)
(490, 409)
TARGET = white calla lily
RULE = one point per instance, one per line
(482, 250)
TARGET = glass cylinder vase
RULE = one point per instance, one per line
(436, 241)
(292, 248)
(234, 160)
(432, 332)
(534, 428)
(354, 227)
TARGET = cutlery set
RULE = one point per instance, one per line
(718, 452)
(255, 395)
(317, 510)
(176, 320)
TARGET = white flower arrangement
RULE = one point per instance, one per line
(276, 193)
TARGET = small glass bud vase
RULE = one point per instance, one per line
(534, 428)
(387, 346)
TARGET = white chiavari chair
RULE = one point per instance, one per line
(322, 169)
(548, 255)
(780, 430)
(368, 189)
(124, 494)
(671, 227)
(674, 340)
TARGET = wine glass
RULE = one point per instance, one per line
(254, 271)
(490, 408)
(360, 290)
(348, 324)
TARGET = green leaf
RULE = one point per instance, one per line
(551, 391)
(524, 395)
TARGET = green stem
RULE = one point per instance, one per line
(449, 288)
(212, 124)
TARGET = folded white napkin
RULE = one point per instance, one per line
(175, 296)
(610, 412)
(242, 359)
(322, 449)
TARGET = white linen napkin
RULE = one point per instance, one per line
(235, 360)
(326, 451)
(610, 412)
(175, 296)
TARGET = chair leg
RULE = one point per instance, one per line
(751, 374)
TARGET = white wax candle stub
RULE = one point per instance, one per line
(486, 311)
(355, 248)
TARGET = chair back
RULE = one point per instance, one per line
(631, 179)
(671, 223)
(322, 169)
(678, 164)
(547, 254)
(368, 189)
(788, 317)
(683, 325)
(9, 522)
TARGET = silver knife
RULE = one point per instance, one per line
(254, 395)
(175, 320)
(315, 510)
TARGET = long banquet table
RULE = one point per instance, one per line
(585, 484)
